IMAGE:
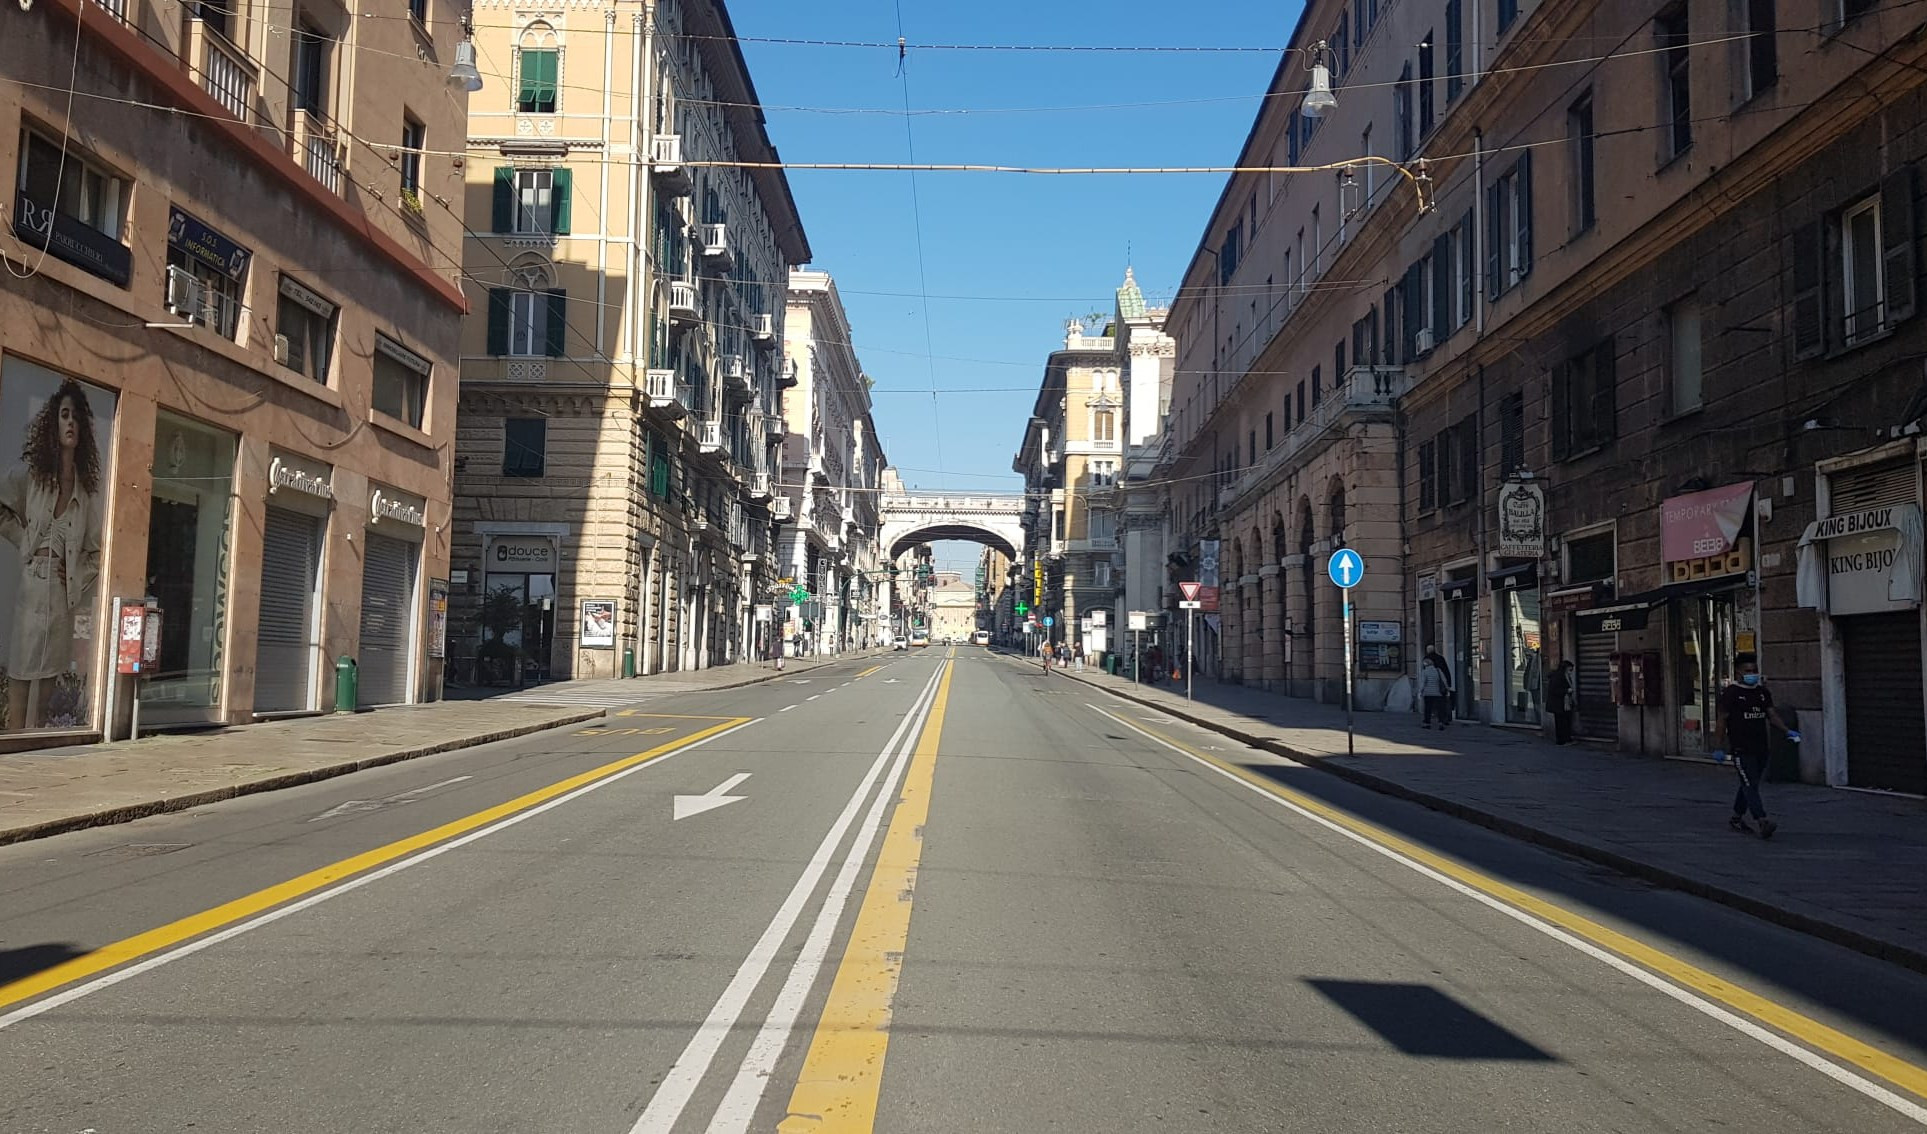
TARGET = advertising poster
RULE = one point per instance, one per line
(599, 623)
(55, 448)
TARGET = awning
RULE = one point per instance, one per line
(1523, 577)
(1584, 596)
(1902, 577)
(1631, 612)
(1454, 589)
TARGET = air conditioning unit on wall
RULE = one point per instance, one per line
(184, 295)
(1423, 340)
(281, 349)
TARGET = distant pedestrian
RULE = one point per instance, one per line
(1077, 655)
(1154, 664)
(1562, 697)
(1745, 710)
(1435, 690)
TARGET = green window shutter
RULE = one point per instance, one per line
(559, 201)
(504, 198)
(557, 329)
(545, 95)
(537, 91)
(498, 321)
(525, 95)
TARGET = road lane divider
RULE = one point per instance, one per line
(1819, 1046)
(111, 964)
(842, 1075)
(679, 1085)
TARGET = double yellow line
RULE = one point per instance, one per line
(155, 942)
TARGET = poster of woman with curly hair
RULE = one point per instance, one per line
(53, 492)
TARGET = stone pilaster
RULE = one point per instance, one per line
(1231, 630)
(1271, 606)
(1253, 643)
(1298, 670)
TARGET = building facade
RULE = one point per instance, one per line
(620, 371)
(832, 467)
(1626, 352)
(227, 359)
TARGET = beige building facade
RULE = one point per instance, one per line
(227, 358)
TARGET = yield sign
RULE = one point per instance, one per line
(1190, 590)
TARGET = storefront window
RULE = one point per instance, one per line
(1702, 664)
(1521, 631)
(188, 565)
(54, 478)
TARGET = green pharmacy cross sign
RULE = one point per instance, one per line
(1023, 607)
(799, 596)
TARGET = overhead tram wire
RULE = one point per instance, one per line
(916, 216)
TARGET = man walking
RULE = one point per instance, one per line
(1746, 708)
(1435, 690)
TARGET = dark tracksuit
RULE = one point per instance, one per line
(1744, 709)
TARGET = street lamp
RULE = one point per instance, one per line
(1319, 100)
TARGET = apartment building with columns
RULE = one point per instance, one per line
(229, 328)
(621, 368)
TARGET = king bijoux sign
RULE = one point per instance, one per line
(1522, 520)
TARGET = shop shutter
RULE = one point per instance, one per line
(1879, 487)
(285, 646)
(1598, 716)
(1886, 730)
(387, 619)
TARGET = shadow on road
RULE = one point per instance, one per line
(16, 964)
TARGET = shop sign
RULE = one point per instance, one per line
(1861, 572)
(1208, 562)
(599, 623)
(72, 240)
(1380, 632)
(1138, 620)
(387, 506)
(1703, 524)
(203, 245)
(1428, 587)
(522, 553)
(1100, 617)
(283, 472)
(1522, 520)
(1573, 599)
(1632, 618)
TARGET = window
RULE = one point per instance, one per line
(1583, 410)
(1428, 485)
(659, 468)
(1512, 432)
(401, 381)
(1251, 448)
(1371, 168)
(1316, 264)
(524, 445)
(1464, 475)
(532, 202)
(1338, 363)
(1684, 376)
(72, 208)
(1579, 144)
(413, 137)
(1342, 43)
(1465, 269)
(528, 320)
(1591, 558)
(1672, 32)
(217, 15)
(1271, 437)
(1228, 253)
(310, 78)
(1317, 386)
(1852, 9)
(1103, 474)
(211, 267)
(1301, 400)
(1402, 106)
(1101, 572)
(419, 10)
(1853, 273)
(535, 93)
(1294, 133)
(1508, 257)
(1300, 254)
(1762, 45)
(307, 322)
(1508, 11)
(1454, 50)
(1425, 76)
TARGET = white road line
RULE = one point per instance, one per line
(786, 708)
(1738, 1023)
(738, 1107)
(29, 1011)
(680, 1084)
(812, 696)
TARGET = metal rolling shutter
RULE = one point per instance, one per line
(387, 619)
(1598, 716)
(1886, 735)
(285, 648)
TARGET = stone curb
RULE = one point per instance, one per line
(1891, 951)
(128, 812)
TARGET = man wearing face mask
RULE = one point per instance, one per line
(1746, 708)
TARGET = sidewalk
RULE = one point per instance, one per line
(1845, 866)
(63, 789)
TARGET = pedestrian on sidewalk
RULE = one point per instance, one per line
(1435, 690)
(1077, 655)
(1562, 694)
(1746, 708)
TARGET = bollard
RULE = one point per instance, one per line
(347, 684)
(629, 661)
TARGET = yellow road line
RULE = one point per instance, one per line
(228, 913)
(1807, 1030)
(843, 1072)
(677, 716)
(869, 671)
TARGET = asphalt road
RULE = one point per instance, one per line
(950, 894)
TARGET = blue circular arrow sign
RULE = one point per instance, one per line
(1346, 568)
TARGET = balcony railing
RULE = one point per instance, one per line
(318, 150)
(115, 8)
(716, 245)
(736, 375)
(671, 174)
(1369, 392)
(667, 394)
(709, 438)
(682, 302)
(762, 329)
(222, 68)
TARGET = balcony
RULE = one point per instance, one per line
(759, 488)
(775, 428)
(319, 149)
(736, 376)
(682, 302)
(762, 330)
(666, 394)
(1369, 394)
(716, 245)
(709, 438)
(671, 175)
(779, 508)
(222, 68)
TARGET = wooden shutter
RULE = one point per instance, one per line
(1512, 433)
(1897, 233)
(556, 331)
(559, 193)
(1428, 488)
(504, 220)
(1522, 208)
(1494, 228)
(1808, 250)
(1441, 288)
(1603, 414)
(1562, 381)
(1391, 357)
(498, 320)
(1469, 457)
(1414, 316)
(1468, 263)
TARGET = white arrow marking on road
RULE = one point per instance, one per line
(718, 796)
(891, 681)
(354, 805)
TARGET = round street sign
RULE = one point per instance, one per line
(1346, 568)
(1049, 621)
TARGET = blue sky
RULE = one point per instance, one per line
(1029, 252)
